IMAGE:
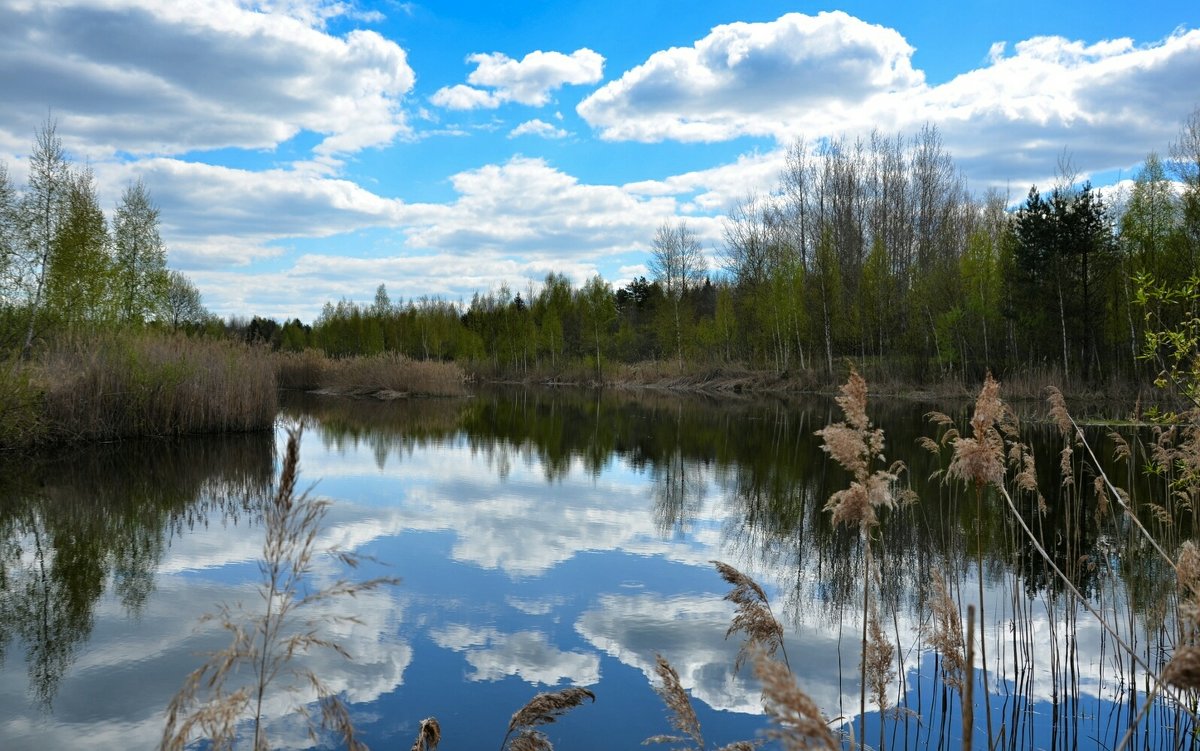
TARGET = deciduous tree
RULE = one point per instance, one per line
(141, 259)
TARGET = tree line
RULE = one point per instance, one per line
(64, 266)
(872, 249)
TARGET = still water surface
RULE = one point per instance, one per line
(545, 539)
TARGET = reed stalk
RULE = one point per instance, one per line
(211, 704)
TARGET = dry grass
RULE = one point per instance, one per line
(753, 616)
(857, 446)
(301, 371)
(429, 735)
(117, 386)
(542, 709)
(388, 376)
(265, 645)
(681, 714)
(796, 719)
(947, 637)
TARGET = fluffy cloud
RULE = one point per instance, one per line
(527, 206)
(219, 216)
(751, 78)
(526, 81)
(525, 654)
(146, 77)
(688, 631)
(539, 128)
(1109, 103)
(833, 74)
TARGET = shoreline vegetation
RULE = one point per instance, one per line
(116, 385)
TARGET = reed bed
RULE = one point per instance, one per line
(112, 386)
(388, 375)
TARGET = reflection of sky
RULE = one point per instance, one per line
(511, 585)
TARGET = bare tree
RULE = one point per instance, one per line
(182, 302)
(677, 263)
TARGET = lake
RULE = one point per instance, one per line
(551, 538)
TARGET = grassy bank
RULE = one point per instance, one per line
(382, 376)
(120, 385)
(733, 379)
(112, 386)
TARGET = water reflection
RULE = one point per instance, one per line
(555, 537)
(91, 520)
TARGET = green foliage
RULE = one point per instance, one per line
(1172, 337)
(21, 420)
(79, 280)
(140, 257)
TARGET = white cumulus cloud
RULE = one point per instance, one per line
(1108, 103)
(146, 77)
(539, 128)
(498, 79)
(749, 78)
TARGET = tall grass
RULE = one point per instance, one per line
(116, 386)
(387, 375)
(119, 385)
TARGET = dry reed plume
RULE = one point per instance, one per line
(979, 459)
(681, 714)
(797, 720)
(266, 643)
(947, 637)
(753, 616)
(855, 445)
(542, 709)
(878, 659)
(429, 735)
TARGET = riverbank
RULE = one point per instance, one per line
(732, 380)
(385, 376)
(111, 386)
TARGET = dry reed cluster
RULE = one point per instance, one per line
(797, 722)
(113, 386)
(386, 375)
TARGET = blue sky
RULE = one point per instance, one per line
(306, 150)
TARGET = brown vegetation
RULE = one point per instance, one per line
(115, 386)
(385, 376)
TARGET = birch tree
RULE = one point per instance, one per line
(678, 264)
(141, 259)
(41, 214)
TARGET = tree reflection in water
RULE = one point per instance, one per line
(100, 520)
(101, 517)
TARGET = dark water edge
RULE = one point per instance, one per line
(87, 531)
